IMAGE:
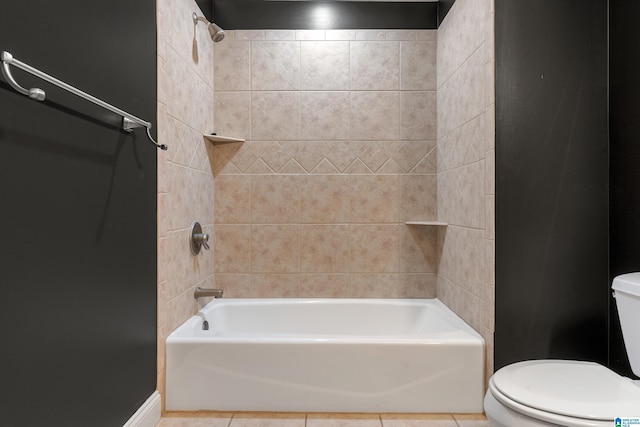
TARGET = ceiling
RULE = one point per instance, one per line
(386, 1)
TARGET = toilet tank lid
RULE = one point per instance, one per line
(628, 283)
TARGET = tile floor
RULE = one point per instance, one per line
(217, 419)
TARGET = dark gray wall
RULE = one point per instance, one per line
(552, 278)
(250, 14)
(77, 216)
(443, 8)
(625, 152)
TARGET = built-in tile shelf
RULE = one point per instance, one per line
(222, 139)
(436, 223)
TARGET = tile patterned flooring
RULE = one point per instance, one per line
(219, 419)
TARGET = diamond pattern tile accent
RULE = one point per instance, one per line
(390, 167)
(259, 167)
(325, 168)
(292, 167)
(332, 157)
(358, 167)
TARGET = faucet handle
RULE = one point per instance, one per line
(203, 239)
(198, 239)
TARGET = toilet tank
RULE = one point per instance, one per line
(627, 293)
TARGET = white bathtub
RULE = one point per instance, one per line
(325, 355)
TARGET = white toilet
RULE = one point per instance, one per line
(569, 393)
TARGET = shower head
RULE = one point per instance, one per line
(217, 33)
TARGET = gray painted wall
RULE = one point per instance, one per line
(78, 216)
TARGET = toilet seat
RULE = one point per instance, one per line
(567, 393)
(503, 405)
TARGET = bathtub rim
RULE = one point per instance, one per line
(464, 335)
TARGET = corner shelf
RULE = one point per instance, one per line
(433, 223)
(222, 139)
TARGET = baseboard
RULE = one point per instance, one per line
(148, 415)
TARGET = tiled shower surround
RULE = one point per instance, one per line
(466, 147)
(340, 130)
(185, 178)
(349, 134)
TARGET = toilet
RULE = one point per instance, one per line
(539, 393)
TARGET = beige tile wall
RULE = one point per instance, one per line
(185, 178)
(466, 144)
(340, 130)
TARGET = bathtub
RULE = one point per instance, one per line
(325, 355)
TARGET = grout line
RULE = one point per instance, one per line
(250, 90)
(251, 224)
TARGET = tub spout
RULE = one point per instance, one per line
(207, 292)
(205, 324)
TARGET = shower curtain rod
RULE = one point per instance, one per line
(129, 121)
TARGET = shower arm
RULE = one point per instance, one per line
(215, 31)
(197, 18)
(129, 121)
